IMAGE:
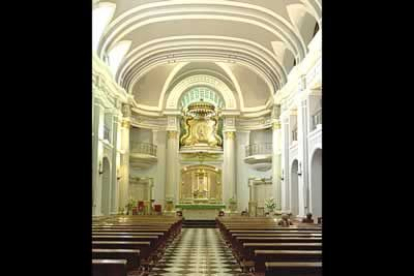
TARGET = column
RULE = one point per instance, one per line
(229, 165)
(303, 158)
(276, 163)
(125, 150)
(171, 179)
(95, 156)
(285, 165)
(114, 181)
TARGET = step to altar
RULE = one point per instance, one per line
(200, 223)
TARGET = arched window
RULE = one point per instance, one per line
(206, 94)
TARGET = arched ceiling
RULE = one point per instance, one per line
(249, 45)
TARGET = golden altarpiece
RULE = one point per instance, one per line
(200, 139)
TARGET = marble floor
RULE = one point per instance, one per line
(197, 251)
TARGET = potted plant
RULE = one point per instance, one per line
(121, 211)
(270, 205)
(232, 204)
(132, 203)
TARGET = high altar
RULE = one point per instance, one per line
(200, 189)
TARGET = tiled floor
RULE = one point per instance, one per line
(197, 251)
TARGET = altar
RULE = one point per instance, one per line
(200, 187)
(200, 211)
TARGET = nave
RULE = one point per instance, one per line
(157, 245)
(197, 251)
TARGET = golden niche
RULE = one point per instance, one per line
(200, 184)
(201, 127)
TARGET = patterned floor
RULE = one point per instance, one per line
(197, 251)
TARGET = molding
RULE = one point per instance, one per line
(145, 14)
(230, 49)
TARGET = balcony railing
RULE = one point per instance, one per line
(316, 119)
(265, 148)
(144, 148)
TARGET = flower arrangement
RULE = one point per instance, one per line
(232, 204)
(270, 204)
(232, 201)
(131, 204)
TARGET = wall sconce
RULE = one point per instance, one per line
(300, 169)
(117, 173)
(100, 168)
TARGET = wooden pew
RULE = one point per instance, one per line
(131, 255)
(109, 267)
(280, 239)
(159, 234)
(149, 234)
(143, 246)
(151, 239)
(235, 235)
(263, 256)
(247, 251)
(293, 268)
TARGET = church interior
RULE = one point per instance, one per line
(206, 137)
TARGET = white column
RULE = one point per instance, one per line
(276, 163)
(124, 167)
(95, 156)
(285, 165)
(171, 180)
(98, 152)
(229, 165)
(114, 181)
(303, 158)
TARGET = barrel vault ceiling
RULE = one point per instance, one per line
(250, 45)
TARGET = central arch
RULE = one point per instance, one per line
(216, 84)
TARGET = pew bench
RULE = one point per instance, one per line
(131, 255)
(109, 267)
(293, 268)
(263, 256)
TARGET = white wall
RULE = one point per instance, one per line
(157, 170)
(245, 171)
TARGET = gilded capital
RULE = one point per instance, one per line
(276, 124)
(230, 135)
(172, 134)
(126, 123)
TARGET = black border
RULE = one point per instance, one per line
(49, 195)
(49, 72)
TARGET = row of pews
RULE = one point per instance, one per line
(130, 245)
(264, 248)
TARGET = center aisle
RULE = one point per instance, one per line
(197, 251)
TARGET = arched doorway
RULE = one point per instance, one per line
(106, 183)
(294, 188)
(316, 183)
